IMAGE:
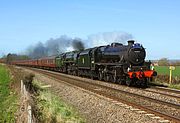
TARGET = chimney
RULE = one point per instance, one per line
(130, 42)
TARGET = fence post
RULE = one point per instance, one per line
(22, 86)
(28, 108)
(29, 114)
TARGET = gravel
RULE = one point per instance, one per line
(142, 92)
(93, 107)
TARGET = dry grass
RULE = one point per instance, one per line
(52, 109)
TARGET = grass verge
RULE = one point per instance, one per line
(175, 86)
(53, 109)
(161, 84)
(8, 99)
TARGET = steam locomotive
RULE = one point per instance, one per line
(118, 63)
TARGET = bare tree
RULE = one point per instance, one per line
(163, 62)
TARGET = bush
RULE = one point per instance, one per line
(165, 79)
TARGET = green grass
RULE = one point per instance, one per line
(53, 109)
(164, 70)
(175, 86)
(7, 97)
(163, 76)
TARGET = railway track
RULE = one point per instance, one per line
(166, 92)
(121, 96)
(173, 93)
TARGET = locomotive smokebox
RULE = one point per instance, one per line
(131, 42)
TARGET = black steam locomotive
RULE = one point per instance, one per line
(118, 63)
(124, 64)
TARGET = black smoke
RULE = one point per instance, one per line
(37, 51)
(78, 44)
(58, 45)
(55, 46)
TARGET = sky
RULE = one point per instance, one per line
(154, 23)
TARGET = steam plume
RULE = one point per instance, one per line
(78, 44)
(37, 51)
(58, 45)
(55, 47)
(109, 37)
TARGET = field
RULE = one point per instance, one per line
(163, 76)
(164, 70)
(7, 97)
